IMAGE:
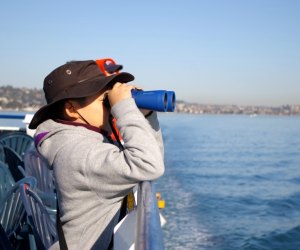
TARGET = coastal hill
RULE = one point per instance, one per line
(30, 100)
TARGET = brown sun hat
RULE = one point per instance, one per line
(77, 79)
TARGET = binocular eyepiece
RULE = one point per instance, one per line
(157, 100)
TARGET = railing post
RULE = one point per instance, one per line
(149, 234)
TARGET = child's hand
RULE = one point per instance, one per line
(119, 92)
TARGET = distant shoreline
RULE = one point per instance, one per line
(194, 108)
(30, 100)
(200, 109)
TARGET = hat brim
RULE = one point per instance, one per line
(86, 89)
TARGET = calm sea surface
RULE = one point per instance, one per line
(231, 182)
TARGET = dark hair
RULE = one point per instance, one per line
(58, 109)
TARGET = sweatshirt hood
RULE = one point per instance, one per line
(50, 138)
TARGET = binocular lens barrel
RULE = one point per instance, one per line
(157, 100)
(171, 101)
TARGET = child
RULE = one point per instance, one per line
(93, 174)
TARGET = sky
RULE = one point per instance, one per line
(211, 52)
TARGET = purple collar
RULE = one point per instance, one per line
(39, 137)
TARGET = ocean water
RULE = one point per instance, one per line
(231, 182)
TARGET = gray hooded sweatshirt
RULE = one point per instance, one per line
(93, 176)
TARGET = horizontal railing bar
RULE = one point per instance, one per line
(12, 116)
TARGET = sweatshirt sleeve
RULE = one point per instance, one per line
(141, 157)
(128, 106)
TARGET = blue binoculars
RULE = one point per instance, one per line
(157, 100)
